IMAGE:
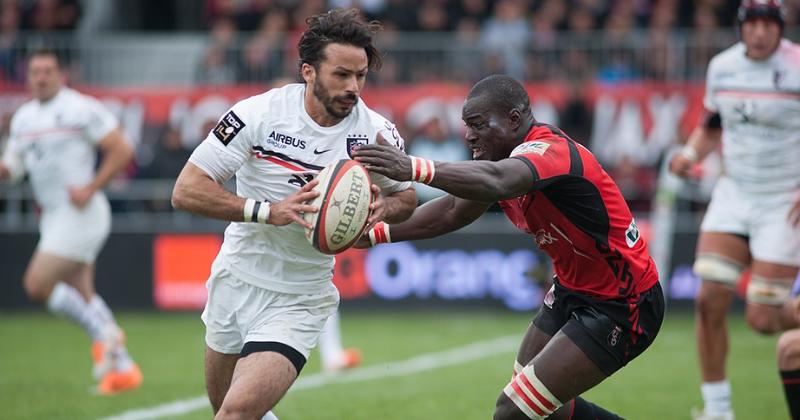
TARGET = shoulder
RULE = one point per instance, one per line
(72, 97)
(790, 51)
(274, 103)
(23, 114)
(733, 55)
(376, 120)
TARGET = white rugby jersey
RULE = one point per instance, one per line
(56, 142)
(274, 147)
(759, 103)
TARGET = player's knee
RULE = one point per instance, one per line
(235, 410)
(525, 397)
(763, 320)
(788, 350)
(718, 269)
(710, 306)
(37, 290)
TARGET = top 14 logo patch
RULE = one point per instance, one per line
(228, 127)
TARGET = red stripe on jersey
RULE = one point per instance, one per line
(277, 161)
(793, 381)
(40, 133)
(418, 171)
(527, 400)
(545, 402)
(765, 95)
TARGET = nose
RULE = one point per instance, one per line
(352, 85)
(470, 135)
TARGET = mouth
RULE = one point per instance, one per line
(347, 103)
(477, 152)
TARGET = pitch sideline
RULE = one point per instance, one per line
(421, 363)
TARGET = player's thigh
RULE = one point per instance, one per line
(218, 374)
(728, 245)
(259, 381)
(533, 342)
(45, 270)
(83, 282)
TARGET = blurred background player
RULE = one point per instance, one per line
(54, 139)
(751, 102)
(270, 291)
(606, 305)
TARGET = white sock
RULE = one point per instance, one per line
(716, 397)
(98, 305)
(330, 341)
(66, 301)
(122, 358)
(269, 416)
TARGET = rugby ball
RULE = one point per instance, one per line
(343, 203)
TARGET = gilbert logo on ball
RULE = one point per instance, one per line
(343, 203)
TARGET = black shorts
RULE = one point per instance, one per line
(610, 332)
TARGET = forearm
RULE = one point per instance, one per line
(400, 205)
(701, 142)
(115, 158)
(476, 181)
(437, 217)
(195, 192)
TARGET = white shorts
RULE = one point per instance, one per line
(239, 312)
(76, 234)
(762, 218)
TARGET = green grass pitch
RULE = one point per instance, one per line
(45, 369)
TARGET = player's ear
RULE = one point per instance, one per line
(308, 72)
(514, 118)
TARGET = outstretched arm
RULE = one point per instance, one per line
(435, 218)
(482, 181)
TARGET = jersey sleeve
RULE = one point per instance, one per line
(227, 146)
(389, 133)
(100, 121)
(546, 159)
(709, 103)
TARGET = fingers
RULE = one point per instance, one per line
(303, 197)
(305, 208)
(300, 221)
(308, 187)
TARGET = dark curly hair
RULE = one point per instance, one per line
(340, 26)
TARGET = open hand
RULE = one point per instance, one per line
(290, 209)
(385, 159)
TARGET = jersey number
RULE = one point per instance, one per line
(301, 180)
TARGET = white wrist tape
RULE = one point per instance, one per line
(379, 234)
(256, 211)
(422, 170)
(690, 153)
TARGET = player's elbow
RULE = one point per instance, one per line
(180, 200)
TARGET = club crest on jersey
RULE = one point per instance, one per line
(228, 127)
(632, 234)
(537, 147)
(354, 140)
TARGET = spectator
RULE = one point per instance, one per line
(433, 139)
(12, 57)
(218, 65)
(507, 34)
(263, 54)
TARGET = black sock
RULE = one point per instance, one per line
(791, 387)
(585, 410)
